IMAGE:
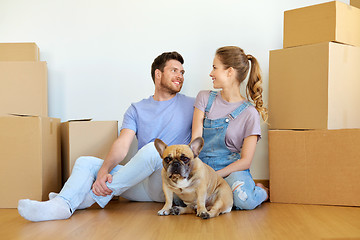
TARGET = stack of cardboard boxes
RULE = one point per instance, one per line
(34, 148)
(314, 101)
(29, 139)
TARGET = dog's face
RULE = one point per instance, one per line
(178, 159)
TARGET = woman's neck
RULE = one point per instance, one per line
(232, 95)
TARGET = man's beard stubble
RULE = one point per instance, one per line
(169, 88)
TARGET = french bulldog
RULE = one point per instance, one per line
(202, 190)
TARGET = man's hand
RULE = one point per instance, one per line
(99, 187)
(117, 153)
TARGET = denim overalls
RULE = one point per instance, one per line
(216, 154)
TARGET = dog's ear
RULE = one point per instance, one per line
(196, 145)
(160, 146)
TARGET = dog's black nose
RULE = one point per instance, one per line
(175, 167)
(176, 164)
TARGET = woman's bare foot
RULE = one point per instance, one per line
(265, 188)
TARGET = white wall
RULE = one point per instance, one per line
(99, 52)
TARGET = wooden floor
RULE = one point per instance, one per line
(133, 220)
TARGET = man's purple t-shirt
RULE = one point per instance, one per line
(169, 120)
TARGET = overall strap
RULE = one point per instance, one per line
(239, 110)
(210, 101)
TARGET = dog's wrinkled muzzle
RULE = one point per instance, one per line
(175, 168)
(175, 171)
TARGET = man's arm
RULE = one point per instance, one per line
(117, 153)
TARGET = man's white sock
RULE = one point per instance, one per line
(52, 195)
(54, 209)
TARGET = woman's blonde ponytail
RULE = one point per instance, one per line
(254, 87)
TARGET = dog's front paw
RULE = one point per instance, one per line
(175, 210)
(164, 212)
(203, 215)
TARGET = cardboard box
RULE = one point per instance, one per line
(19, 52)
(355, 3)
(23, 88)
(333, 21)
(85, 138)
(314, 87)
(315, 166)
(30, 158)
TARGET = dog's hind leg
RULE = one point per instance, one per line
(177, 210)
(217, 209)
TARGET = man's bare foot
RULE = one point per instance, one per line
(265, 188)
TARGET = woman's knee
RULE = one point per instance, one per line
(243, 196)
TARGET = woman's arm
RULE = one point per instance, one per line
(247, 154)
(197, 124)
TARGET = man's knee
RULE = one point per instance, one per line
(148, 153)
(149, 149)
(87, 161)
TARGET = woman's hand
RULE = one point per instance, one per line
(244, 163)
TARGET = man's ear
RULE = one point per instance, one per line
(158, 73)
(196, 145)
(157, 76)
(160, 146)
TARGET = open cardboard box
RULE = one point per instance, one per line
(85, 138)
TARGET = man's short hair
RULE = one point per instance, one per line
(160, 61)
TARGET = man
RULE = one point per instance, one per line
(166, 115)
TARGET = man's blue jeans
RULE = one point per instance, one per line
(138, 180)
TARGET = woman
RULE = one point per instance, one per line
(230, 124)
